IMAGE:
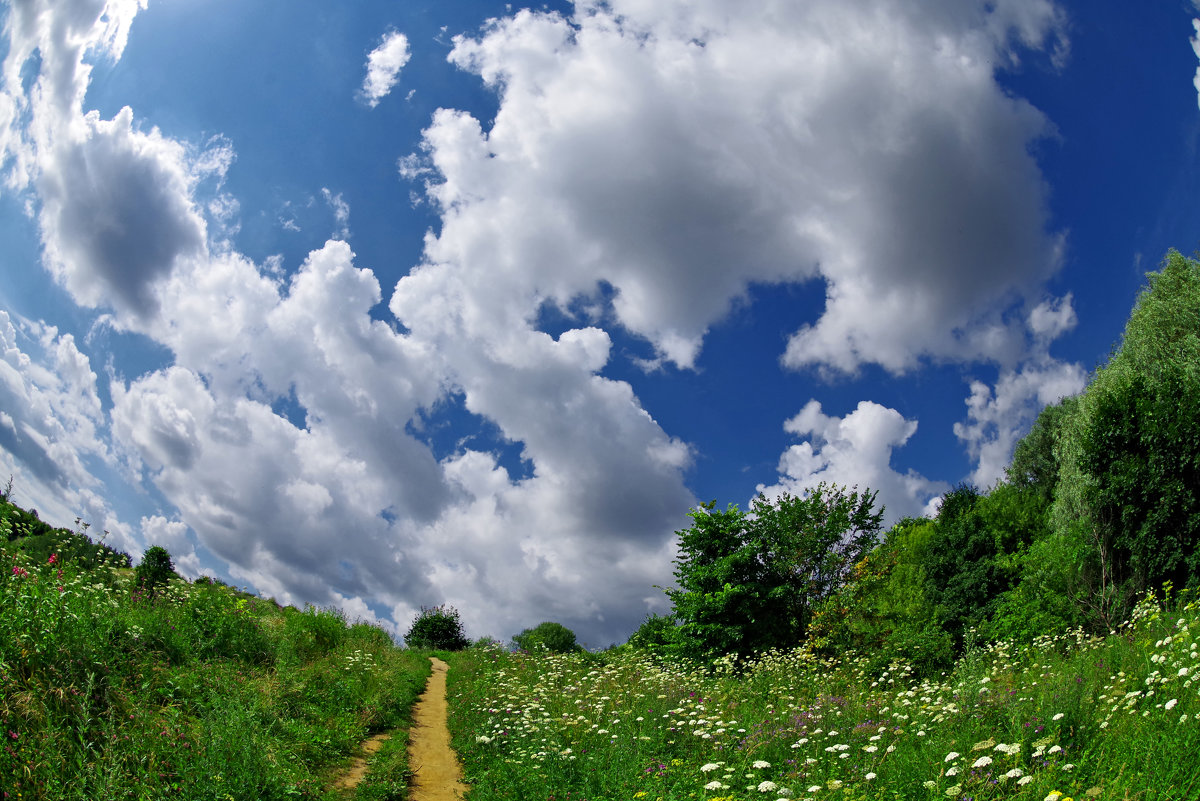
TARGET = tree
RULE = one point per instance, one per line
(656, 634)
(154, 571)
(750, 582)
(1126, 510)
(437, 628)
(553, 637)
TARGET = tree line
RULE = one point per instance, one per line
(1098, 506)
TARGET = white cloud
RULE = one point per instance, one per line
(1195, 40)
(117, 214)
(998, 416)
(855, 450)
(52, 429)
(341, 213)
(678, 153)
(383, 67)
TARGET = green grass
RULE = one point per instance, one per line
(203, 692)
(1113, 717)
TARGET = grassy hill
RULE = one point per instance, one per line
(199, 692)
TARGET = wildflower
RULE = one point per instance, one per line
(834, 784)
(1171, 704)
(951, 792)
(53, 558)
(1024, 780)
(982, 762)
(952, 772)
(816, 788)
(711, 766)
(1054, 749)
(1059, 716)
(1015, 773)
(759, 764)
(713, 786)
(869, 776)
(766, 787)
(950, 757)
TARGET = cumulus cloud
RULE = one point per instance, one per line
(1195, 40)
(998, 416)
(855, 450)
(383, 67)
(678, 153)
(117, 214)
(52, 428)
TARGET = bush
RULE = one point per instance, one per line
(657, 633)
(551, 636)
(438, 628)
(154, 571)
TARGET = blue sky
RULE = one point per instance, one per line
(383, 305)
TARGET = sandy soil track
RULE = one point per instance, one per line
(437, 775)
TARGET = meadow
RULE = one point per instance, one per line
(1069, 716)
(196, 692)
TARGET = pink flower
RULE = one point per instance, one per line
(53, 558)
(20, 571)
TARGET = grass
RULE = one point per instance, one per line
(1068, 716)
(202, 692)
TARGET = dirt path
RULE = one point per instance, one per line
(437, 776)
(358, 768)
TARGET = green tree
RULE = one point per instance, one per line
(657, 633)
(1126, 510)
(154, 571)
(750, 582)
(437, 628)
(554, 637)
(1035, 462)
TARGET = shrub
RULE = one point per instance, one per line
(154, 571)
(438, 628)
(657, 633)
(551, 636)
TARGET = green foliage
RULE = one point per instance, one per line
(154, 571)
(553, 637)
(1066, 715)
(749, 583)
(437, 628)
(1035, 463)
(885, 610)
(975, 556)
(1125, 510)
(206, 693)
(658, 633)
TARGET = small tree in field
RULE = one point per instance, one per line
(155, 570)
(437, 628)
(553, 637)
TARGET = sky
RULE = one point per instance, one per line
(382, 305)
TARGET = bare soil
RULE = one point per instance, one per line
(437, 774)
(358, 768)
